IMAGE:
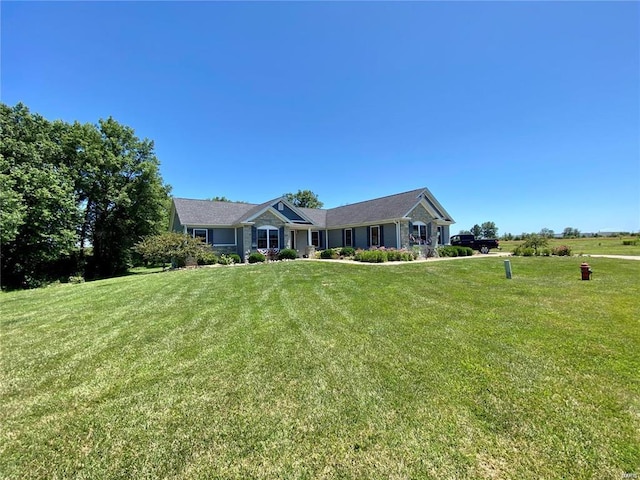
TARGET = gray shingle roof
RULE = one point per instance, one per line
(384, 208)
(206, 212)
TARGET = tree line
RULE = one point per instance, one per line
(75, 198)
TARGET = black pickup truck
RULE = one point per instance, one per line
(483, 245)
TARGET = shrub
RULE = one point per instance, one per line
(328, 254)
(206, 257)
(629, 242)
(78, 278)
(464, 251)
(562, 251)
(528, 252)
(287, 254)
(371, 256)
(257, 257)
(447, 251)
(225, 260)
(546, 252)
(236, 258)
(348, 251)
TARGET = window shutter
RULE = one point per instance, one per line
(381, 239)
(254, 236)
(368, 236)
(321, 239)
(428, 231)
(281, 242)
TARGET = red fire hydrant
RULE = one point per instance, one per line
(586, 271)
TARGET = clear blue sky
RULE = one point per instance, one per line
(522, 113)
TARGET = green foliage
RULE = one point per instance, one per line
(304, 198)
(630, 242)
(536, 242)
(235, 257)
(570, 232)
(454, 251)
(328, 254)
(287, 254)
(39, 207)
(63, 185)
(207, 257)
(381, 255)
(76, 279)
(171, 247)
(257, 257)
(476, 230)
(562, 251)
(347, 251)
(370, 256)
(489, 230)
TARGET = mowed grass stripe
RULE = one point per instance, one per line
(314, 370)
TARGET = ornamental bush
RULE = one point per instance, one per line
(207, 257)
(235, 257)
(328, 254)
(447, 251)
(371, 256)
(348, 251)
(257, 257)
(287, 254)
(562, 251)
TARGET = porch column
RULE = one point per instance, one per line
(309, 236)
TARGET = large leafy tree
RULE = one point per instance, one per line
(64, 186)
(122, 194)
(39, 207)
(305, 199)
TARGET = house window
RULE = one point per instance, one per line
(419, 233)
(348, 237)
(201, 233)
(315, 239)
(280, 206)
(375, 236)
(268, 237)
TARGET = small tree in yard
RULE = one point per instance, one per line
(536, 242)
(170, 247)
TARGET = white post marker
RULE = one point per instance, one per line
(507, 268)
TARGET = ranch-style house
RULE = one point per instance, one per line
(395, 221)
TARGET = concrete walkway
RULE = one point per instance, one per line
(622, 257)
(420, 260)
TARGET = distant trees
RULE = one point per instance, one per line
(305, 199)
(72, 189)
(546, 233)
(486, 230)
(570, 232)
(489, 230)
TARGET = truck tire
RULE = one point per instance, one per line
(484, 249)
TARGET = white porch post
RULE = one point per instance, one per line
(309, 236)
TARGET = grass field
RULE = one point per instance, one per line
(588, 246)
(324, 370)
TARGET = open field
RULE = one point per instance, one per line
(325, 370)
(586, 246)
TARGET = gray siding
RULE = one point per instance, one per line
(335, 238)
(224, 236)
(389, 235)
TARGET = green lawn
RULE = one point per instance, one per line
(588, 246)
(326, 370)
